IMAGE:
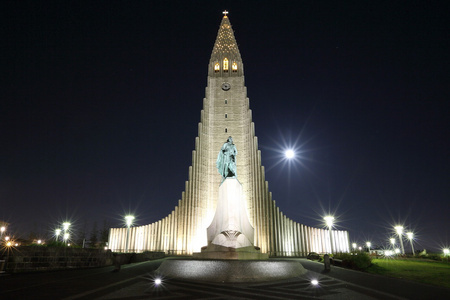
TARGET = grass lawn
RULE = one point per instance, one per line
(430, 272)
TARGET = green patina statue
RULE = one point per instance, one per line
(226, 161)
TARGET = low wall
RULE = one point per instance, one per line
(38, 258)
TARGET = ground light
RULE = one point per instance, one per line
(158, 281)
(315, 282)
(368, 246)
(354, 246)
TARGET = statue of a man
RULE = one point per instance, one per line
(226, 161)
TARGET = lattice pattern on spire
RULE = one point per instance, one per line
(225, 45)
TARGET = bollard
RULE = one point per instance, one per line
(326, 262)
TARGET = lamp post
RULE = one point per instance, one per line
(2, 230)
(129, 220)
(57, 233)
(66, 237)
(446, 252)
(66, 226)
(410, 236)
(392, 240)
(329, 221)
(368, 244)
(354, 246)
(399, 230)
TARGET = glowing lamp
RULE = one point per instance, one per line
(329, 221)
(66, 226)
(129, 220)
(289, 153)
(398, 229)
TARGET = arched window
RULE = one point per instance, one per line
(216, 67)
(234, 67)
(225, 65)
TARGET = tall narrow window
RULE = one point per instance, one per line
(226, 101)
(225, 65)
(226, 116)
(234, 67)
(226, 129)
(217, 67)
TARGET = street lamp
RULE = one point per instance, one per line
(66, 226)
(329, 221)
(392, 240)
(57, 233)
(129, 220)
(289, 153)
(399, 230)
(368, 245)
(410, 236)
(354, 246)
(446, 251)
(66, 237)
(2, 230)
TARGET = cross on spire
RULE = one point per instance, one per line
(225, 12)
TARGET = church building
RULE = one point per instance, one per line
(226, 112)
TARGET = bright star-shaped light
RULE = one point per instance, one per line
(314, 282)
(157, 281)
(289, 153)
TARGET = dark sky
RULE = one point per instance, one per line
(100, 103)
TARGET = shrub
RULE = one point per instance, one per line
(356, 261)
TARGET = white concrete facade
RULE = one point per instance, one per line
(226, 112)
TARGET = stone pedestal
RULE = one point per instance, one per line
(230, 235)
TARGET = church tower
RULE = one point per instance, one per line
(226, 112)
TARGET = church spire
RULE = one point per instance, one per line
(225, 58)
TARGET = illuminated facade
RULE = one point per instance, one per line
(226, 112)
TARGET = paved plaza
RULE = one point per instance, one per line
(137, 281)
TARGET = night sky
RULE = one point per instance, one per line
(100, 103)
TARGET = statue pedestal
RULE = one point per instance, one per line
(230, 235)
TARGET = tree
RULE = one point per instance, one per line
(94, 237)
